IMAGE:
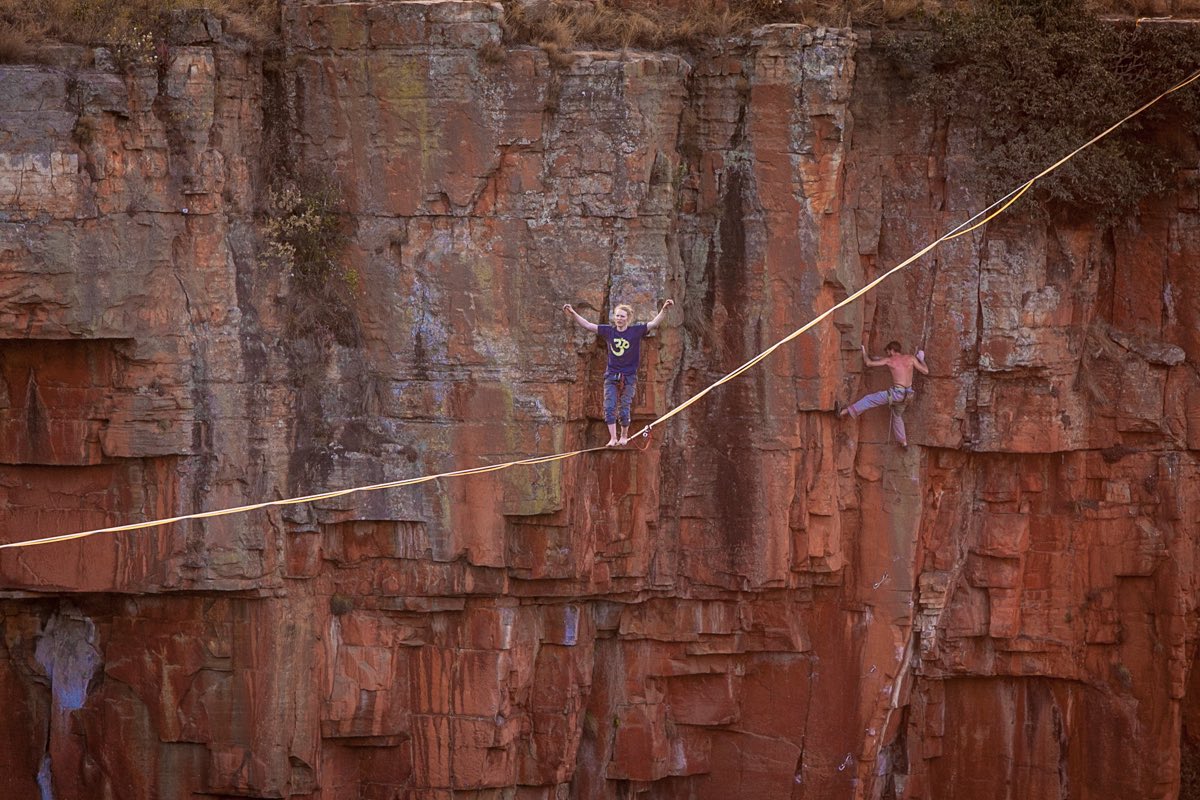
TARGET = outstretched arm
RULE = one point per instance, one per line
(658, 318)
(919, 363)
(872, 362)
(583, 323)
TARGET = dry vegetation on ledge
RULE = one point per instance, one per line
(25, 25)
(559, 26)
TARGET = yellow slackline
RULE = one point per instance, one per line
(966, 227)
(944, 238)
(976, 221)
(291, 501)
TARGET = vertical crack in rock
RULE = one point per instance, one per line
(971, 434)
(66, 650)
(35, 422)
(1060, 735)
(806, 731)
(736, 406)
(722, 343)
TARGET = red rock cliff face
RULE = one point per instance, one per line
(765, 603)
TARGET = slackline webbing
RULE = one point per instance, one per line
(975, 221)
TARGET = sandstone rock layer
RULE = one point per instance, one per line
(764, 603)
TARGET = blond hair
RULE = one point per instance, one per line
(628, 309)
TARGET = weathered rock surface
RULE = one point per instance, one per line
(764, 603)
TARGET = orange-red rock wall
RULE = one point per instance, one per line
(764, 603)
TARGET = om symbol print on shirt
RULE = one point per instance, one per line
(623, 347)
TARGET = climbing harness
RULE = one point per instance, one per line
(899, 398)
(976, 221)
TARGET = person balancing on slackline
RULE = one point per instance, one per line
(624, 351)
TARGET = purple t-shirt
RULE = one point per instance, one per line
(624, 347)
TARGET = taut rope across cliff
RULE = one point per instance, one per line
(976, 221)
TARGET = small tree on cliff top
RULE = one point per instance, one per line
(1040, 77)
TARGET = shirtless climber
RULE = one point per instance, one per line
(624, 351)
(901, 392)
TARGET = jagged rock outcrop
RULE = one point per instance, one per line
(765, 602)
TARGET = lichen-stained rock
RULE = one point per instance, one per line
(1054, 591)
(762, 602)
(120, 311)
(39, 173)
(478, 214)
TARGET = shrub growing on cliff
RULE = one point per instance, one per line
(303, 231)
(133, 46)
(1040, 77)
(303, 237)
